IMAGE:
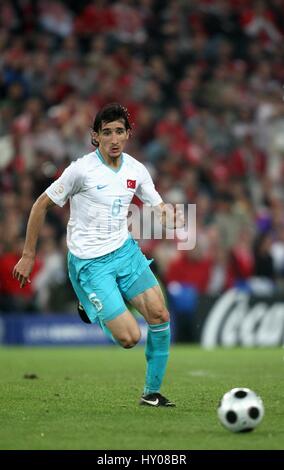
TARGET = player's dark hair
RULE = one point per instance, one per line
(109, 113)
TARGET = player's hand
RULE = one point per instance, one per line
(172, 217)
(23, 269)
(179, 221)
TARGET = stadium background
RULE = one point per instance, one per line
(202, 81)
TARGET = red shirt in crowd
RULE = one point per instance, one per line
(9, 285)
(194, 271)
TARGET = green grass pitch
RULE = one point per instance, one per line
(87, 398)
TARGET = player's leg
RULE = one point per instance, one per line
(140, 287)
(125, 329)
(151, 305)
(100, 301)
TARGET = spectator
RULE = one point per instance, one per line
(203, 84)
(12, 297)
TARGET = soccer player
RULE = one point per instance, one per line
(105, 264)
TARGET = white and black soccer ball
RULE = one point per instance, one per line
(240, 410)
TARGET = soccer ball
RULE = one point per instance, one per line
(240, 410)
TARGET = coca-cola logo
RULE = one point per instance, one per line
(233, 321)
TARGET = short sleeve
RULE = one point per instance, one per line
(146, 190)
(68, 184)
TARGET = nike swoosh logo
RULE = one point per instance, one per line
(151, 402)
(102, 186)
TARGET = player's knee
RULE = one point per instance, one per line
(129, 341)
(128, 344)
(160, 315)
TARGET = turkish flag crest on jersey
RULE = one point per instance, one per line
(131, 184)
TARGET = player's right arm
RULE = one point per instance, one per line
(24, 267)
(56, 194)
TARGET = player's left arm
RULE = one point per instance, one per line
(169, 215)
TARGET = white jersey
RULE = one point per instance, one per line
(99, 201)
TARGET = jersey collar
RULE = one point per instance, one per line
(104, 162)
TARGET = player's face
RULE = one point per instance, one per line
(112, 138)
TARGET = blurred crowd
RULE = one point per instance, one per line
(203, 83)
